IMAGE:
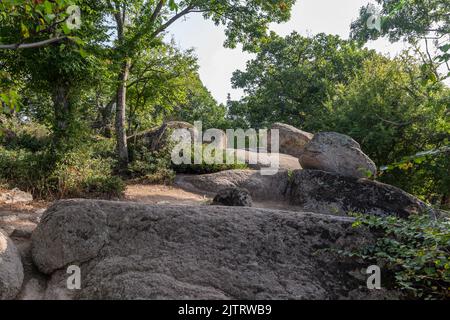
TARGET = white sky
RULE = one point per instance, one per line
(308, 17)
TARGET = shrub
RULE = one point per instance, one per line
(79, 174)
(46, 174)
(205, 168)
(103, 147)
(151, 167)
(103, 186)
(16, 134)
(417, 250)
(160, 176)
(26, 170)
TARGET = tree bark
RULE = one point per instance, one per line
(446, 201)
(121, 133)
(63, 113)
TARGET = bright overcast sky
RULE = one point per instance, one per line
(308, 17)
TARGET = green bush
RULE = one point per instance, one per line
(15, 134)
(46, 174)
(160, 176)
(26, 170)
(417, 250)
(205, 168)
(79, 174)
(151, 167)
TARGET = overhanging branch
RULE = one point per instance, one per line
(33, 45)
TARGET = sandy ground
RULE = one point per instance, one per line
(160, 194)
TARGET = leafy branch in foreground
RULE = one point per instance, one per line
(416, 249)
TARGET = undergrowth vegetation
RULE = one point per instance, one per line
(416, 250)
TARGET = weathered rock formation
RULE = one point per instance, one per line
(338, 153)
(313, 190)
(292, 140)
(133, 251)
(11, 269)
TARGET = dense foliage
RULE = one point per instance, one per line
(416, 249)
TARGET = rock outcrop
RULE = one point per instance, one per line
(320, 191)
(133, 251)
(313, 190)
(11, 269)
(233, 197)
(292, 140)
(338, 153)
(157, 138)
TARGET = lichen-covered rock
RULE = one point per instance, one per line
(292, 140)
(233, 197)
(337, 153)
(205, 252)
(320, 191)
(261, 187)
(313, 190)
(11, 269)
(81, 235)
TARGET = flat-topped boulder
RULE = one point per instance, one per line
(134, 251)
(313, 190)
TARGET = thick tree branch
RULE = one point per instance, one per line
(38, 44)
(179, 15)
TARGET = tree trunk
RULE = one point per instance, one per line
(446, 202)
(104, 122)
(121, 134)
(63, 113)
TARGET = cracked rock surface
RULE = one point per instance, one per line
(134, 251)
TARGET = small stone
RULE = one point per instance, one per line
(233, 197)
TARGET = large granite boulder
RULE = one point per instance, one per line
(292, 140)
(338, 153)
(11, 269)
(313, 190)
(157, 138)
(206, 252)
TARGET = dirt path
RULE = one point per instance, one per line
(160, 194)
